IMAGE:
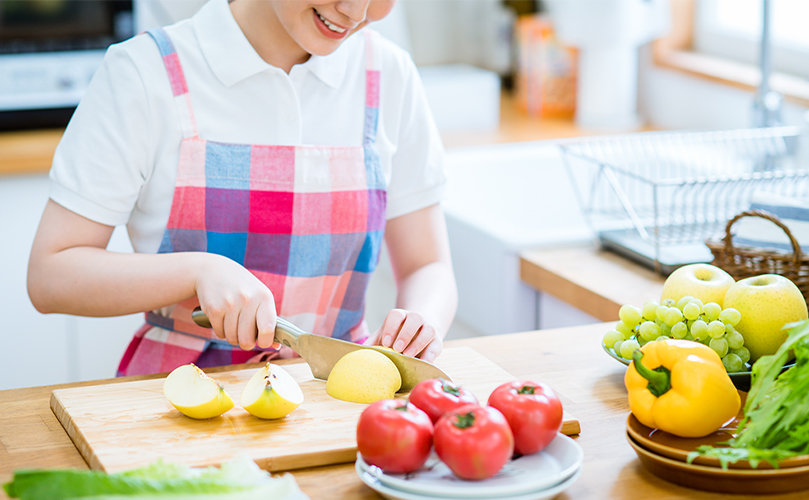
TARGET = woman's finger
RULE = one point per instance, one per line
(410, 328)
(265, 323)
(247, 331)
(425, 336)
(391, 326)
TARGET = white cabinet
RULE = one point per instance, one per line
(38, 349)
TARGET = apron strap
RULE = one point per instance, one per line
(179, 87)
(371, 88)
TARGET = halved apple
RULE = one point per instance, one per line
(271, 393)
(195, 394)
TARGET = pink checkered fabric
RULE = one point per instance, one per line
(308, 221)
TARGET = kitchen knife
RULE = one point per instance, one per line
(323, 352)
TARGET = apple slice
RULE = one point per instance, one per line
(271, 393)
(195, 394)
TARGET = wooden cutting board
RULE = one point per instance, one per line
(124, 425)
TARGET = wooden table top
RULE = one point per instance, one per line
(596, 281)
(569, 359)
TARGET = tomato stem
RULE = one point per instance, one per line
(465, 420)
(527, 389)
(449, 387)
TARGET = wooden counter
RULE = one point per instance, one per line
(596, 281)
(570, 360)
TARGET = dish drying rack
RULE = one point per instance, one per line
(655, 197)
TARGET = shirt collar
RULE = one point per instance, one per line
(232, 58)
(226, 49)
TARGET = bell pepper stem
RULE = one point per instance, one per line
(659, 378)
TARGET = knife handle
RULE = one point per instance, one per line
(285, 332)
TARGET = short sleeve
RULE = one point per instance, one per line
(417, 177)
(103, 159)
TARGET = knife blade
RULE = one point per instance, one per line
(322, 353)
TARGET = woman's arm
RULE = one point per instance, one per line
(71, 272)
(427, 295)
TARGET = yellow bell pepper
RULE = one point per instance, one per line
(680, 387)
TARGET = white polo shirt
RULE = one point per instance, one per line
(117, 161)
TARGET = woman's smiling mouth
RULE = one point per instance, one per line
(333, 27)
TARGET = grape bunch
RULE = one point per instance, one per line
(687, 318)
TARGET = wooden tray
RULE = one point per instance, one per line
(120, 426)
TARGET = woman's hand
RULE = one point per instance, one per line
(240, 307)
(407, 332)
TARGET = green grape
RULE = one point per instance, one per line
(668, 303)
(711, 311)
(691, 310)
(743, 354)
(649, 330)
(733, 363)
(617, 347)
(630, 315)
(729, 328)
(683, 301)
(688, 336)
(649, 310)
(628, 347)
(661, 338)
(718, 345)
(735, 340)
(625, 329)
(730, 316)
(660, 312)
(665, 330)
(673, 316)
(699, 330)
(679, 330)
(697, 302)
(716, 329)
(611, 337)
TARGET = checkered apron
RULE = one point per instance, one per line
(306, 220)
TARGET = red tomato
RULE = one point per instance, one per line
(394, 435)
(438, 396)
(475, 442)
(533, 411)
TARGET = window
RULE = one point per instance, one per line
(731, 29)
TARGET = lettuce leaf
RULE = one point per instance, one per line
(776, 415)
(240, 479)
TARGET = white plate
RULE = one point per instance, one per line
(530, 473)
(394, 494)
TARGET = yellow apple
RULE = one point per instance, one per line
(363, 376)
(271, 393)
(705, 282)
(195, 394)
(767, 303)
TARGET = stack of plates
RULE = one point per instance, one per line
(665, 455)
(533, 477)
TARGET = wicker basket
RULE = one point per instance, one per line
(745, 262)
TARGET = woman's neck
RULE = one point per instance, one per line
(262, 28)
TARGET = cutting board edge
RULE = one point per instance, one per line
(75, 434)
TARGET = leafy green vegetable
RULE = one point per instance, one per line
(240, 479)
(776, 415)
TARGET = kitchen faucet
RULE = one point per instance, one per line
(767, 103)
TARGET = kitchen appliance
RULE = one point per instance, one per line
(656, 197)
(322, 352)
(122, 425)
(49, 51)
